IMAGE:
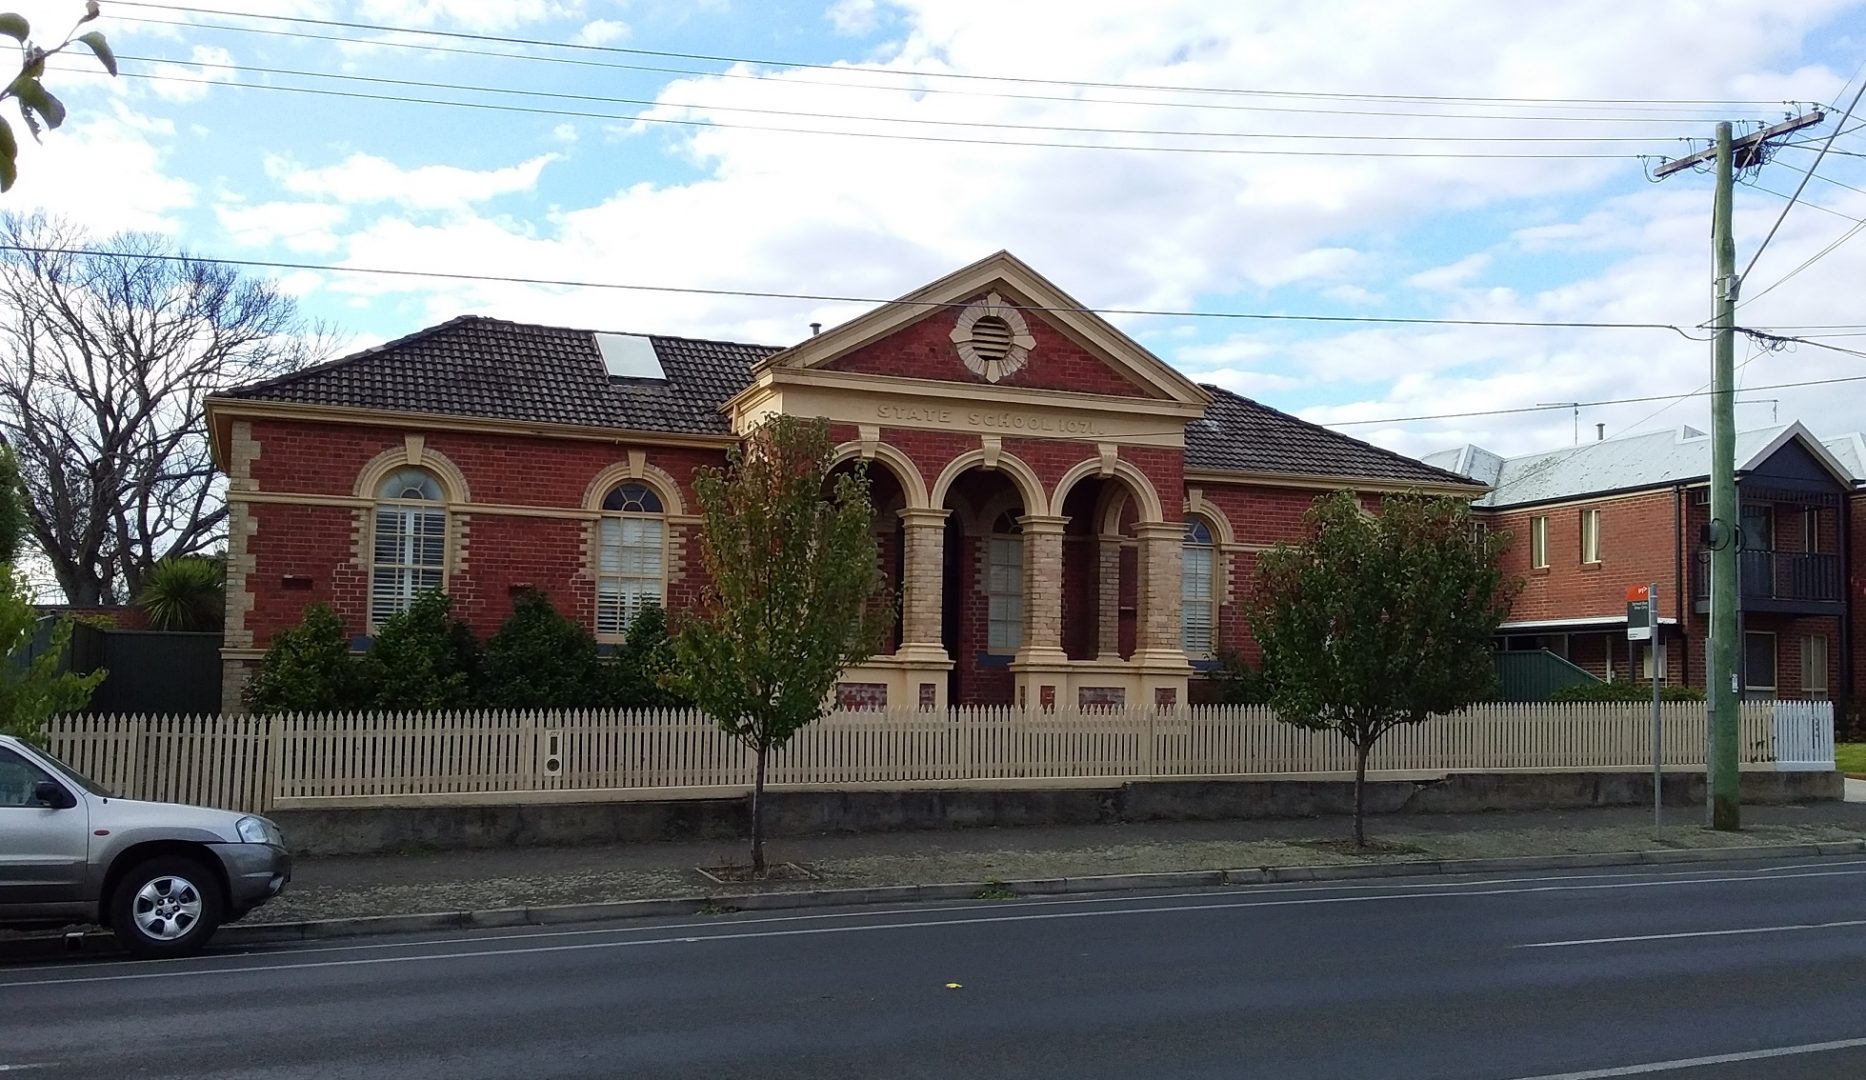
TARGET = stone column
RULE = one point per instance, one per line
(1108, 569)
(1159, 589)
(924, 563)
(1043, 590)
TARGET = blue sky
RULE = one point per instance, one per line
(252, 173)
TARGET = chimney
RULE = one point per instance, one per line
(816, 328)
(1600, 432)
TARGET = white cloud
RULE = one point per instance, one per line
(81, 172)
(602, 32)
(197, 79)
(365, 178)
(1528, 238)
(477, 15)
(565, 133)
(299, 226)
(853, 17)
(1451, 275)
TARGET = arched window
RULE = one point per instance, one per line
(632, 545)
(1004, 585)
(410, 543)
(1197, 606)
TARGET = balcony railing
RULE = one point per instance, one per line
(1809, 577)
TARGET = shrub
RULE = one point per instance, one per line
(1235, 682)
(33, 690)
(186, 593)
(541, 660)
(422, 658)
(1624, 691)
(308, 668)
(634, 675)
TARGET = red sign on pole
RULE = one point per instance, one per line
(1639, 613)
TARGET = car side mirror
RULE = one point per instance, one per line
(49, 794)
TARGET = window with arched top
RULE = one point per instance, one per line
(1004, 585)
(631, 540)
(1197, 598)
(409, 546)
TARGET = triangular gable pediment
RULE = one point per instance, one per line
(1796, 455)
(927, 334)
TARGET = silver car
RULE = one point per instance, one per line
(162, 876)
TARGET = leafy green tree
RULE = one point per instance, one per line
(37, 106)
(539, 659)
(422, 658)
(308, 668)
(1379, 620)
(186, 592)
(793, 572)
(15, 526)
(33, 689)
(635, 672)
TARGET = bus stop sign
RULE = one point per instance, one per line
(1639, 613)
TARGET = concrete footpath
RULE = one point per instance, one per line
(478, 880)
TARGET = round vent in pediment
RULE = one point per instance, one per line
(992, 338)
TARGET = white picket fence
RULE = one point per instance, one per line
(373, 759)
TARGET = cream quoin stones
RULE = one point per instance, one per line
(986, 393)
(993, 338)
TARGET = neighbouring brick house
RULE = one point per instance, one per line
(1068, 519)
(1592, 520)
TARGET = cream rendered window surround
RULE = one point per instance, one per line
(408, 549)
(631, 562)
(1197, 596)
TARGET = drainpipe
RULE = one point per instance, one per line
(1678, 585)
(1848, 692)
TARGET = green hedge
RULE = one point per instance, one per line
(1624, 691)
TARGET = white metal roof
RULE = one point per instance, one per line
(1635, 461)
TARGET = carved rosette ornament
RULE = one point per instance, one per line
(993, 338)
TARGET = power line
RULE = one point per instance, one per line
(1003, 125)
(1023, 79)
(890, 136)
(831, 298)
(1799, 188)
(1701, 392)
(844, 85)
(1809, 261)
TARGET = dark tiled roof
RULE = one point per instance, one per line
(475, 366)
(1241, 434)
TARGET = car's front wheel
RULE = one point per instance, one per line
(165, 907)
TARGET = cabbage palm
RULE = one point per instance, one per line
(186, 593)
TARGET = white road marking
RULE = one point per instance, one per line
(1700, 1062)
(467, 936)
(925, 923)
(1694, 934)
(24, 1067)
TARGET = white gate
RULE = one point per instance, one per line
(1804, 736)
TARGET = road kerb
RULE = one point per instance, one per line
(700, 904)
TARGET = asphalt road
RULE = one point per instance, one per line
(1758, 968)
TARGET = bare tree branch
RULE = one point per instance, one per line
(104, 364)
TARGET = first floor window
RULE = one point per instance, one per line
(631, 543)
(1197, 614)
(1590, 536)
(1814, 666)
(1759, 661)
(409, 547)
(1539, 542)
(1004, 585)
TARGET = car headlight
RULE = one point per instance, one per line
(257, 831)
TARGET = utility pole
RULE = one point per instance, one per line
(1723, 534)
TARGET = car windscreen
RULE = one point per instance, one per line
(66, 772)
